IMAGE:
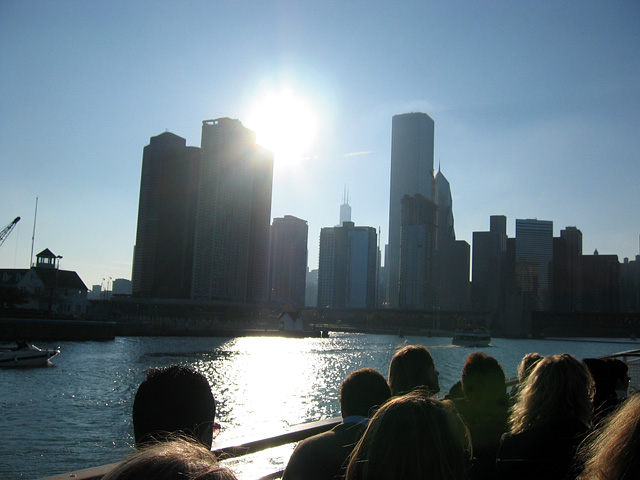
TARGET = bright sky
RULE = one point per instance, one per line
(536, 106)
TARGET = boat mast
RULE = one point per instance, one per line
(33, 235)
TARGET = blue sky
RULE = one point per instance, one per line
(536, 106)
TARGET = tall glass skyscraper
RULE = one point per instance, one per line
(534, 253)
(412, 140)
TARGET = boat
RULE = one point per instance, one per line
(25, 355)
(471, 337)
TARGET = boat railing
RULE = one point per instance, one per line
(229, 451)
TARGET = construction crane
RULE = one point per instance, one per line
(7, 230)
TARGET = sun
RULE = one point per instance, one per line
(284, 123)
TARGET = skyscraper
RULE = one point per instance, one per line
(489, 266)
(412, 140)
(534, 252)
(288, 265)
(417, 272)
(231, 252)
(162, 258)
(567, 270)
(347, 267)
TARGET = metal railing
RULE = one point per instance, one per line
(294, 434)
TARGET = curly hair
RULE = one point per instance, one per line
(559, 387)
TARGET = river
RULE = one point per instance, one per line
(77, 413)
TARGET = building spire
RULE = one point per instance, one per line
(345, 208)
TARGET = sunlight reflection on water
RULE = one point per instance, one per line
(77, 414)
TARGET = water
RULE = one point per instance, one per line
(77, 413)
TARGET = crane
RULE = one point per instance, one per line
(7, 230)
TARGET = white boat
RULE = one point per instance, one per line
(471, 337)
(25, 355)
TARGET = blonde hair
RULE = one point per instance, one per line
(412, 437)
(613, 451)
(559, 387)
(176, 459)
(410, 368)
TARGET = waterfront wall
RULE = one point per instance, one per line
(14, 329)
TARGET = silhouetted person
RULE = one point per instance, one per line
(324, 456)
(174, 400)
(171, 460)
(620, 373)
(605, 398)
(412, 366)
(613, 451)
(484, 410)
(548, 422)
(412, 437)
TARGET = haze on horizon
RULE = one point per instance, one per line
(536, 108)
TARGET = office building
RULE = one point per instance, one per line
(417, 269)
(601, 283)
(347, 267)
(288, 261)
(231, 252)
(534, 253)
(412, 142)
(162, 259)
(567, 271)
(489, 266)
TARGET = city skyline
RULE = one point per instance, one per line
(535, 116)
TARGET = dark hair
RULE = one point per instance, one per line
(172, 400)
(176, 459)
(482, 374)
(412, 437)
(605, 382)
(411, 367)
(362, 392)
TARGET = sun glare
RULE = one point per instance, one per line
(284, 123)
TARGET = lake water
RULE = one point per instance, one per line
(77, 413)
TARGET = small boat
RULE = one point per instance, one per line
(25, 355)
(471, 337)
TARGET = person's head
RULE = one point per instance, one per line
(362, 392)
(605, 385)
(620, 373)
(613, 450)
(529, 361)
(412, 437)
(411, 367)
(560, 387)
(174, 400)
(171, 460)
(483, 379)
